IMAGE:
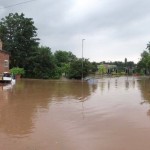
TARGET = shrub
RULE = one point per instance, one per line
(17, 71)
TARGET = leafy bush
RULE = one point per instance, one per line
(122, 73)
(17, 71)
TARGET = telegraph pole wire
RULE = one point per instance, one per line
(13, 5)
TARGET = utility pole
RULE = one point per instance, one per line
(82, 57)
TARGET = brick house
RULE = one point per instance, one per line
(4, 59)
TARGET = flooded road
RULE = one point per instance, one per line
(106, 114)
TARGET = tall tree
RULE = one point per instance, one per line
(19, 37)
(63, 57)
(93, 67)
(42, 65)
(144, 63)
(63, 60)
(76, 70)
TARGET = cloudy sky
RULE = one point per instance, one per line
(112, 29)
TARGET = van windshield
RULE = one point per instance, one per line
(6, 75)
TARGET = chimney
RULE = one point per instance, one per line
(1, 45)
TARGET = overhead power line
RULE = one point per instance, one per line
(21, 3)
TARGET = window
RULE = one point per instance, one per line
(6, 63)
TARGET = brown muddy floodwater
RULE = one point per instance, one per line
(106, 114)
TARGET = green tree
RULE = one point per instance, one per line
(130, 64)
(101, 69)
(17, 71)
(93, 68)
(42, 65)
(63, 57)
(63, 60)
(144, 63)
(75, 69)
(19, 38)
(120, 66)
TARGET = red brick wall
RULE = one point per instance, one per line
(4, 56)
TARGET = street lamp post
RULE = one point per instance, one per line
(82, 58)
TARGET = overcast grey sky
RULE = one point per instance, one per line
(113, 29)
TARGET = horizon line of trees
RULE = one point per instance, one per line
(19, 36)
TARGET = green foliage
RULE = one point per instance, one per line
(121, 65)
(57, 73)
(144, 63)
(75, 70)
(122, 73)
(63, 60)
(42, 65)
(17, 71)
(93, 67)
(101, 69)
(142, 72)
(115, 73)
(65, 68)
(63, 57)
(19, 38)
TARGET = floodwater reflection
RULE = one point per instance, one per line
(19, 106)
(144, 86)
(69, 115)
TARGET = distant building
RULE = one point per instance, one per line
(4, 59)
(109, 68)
